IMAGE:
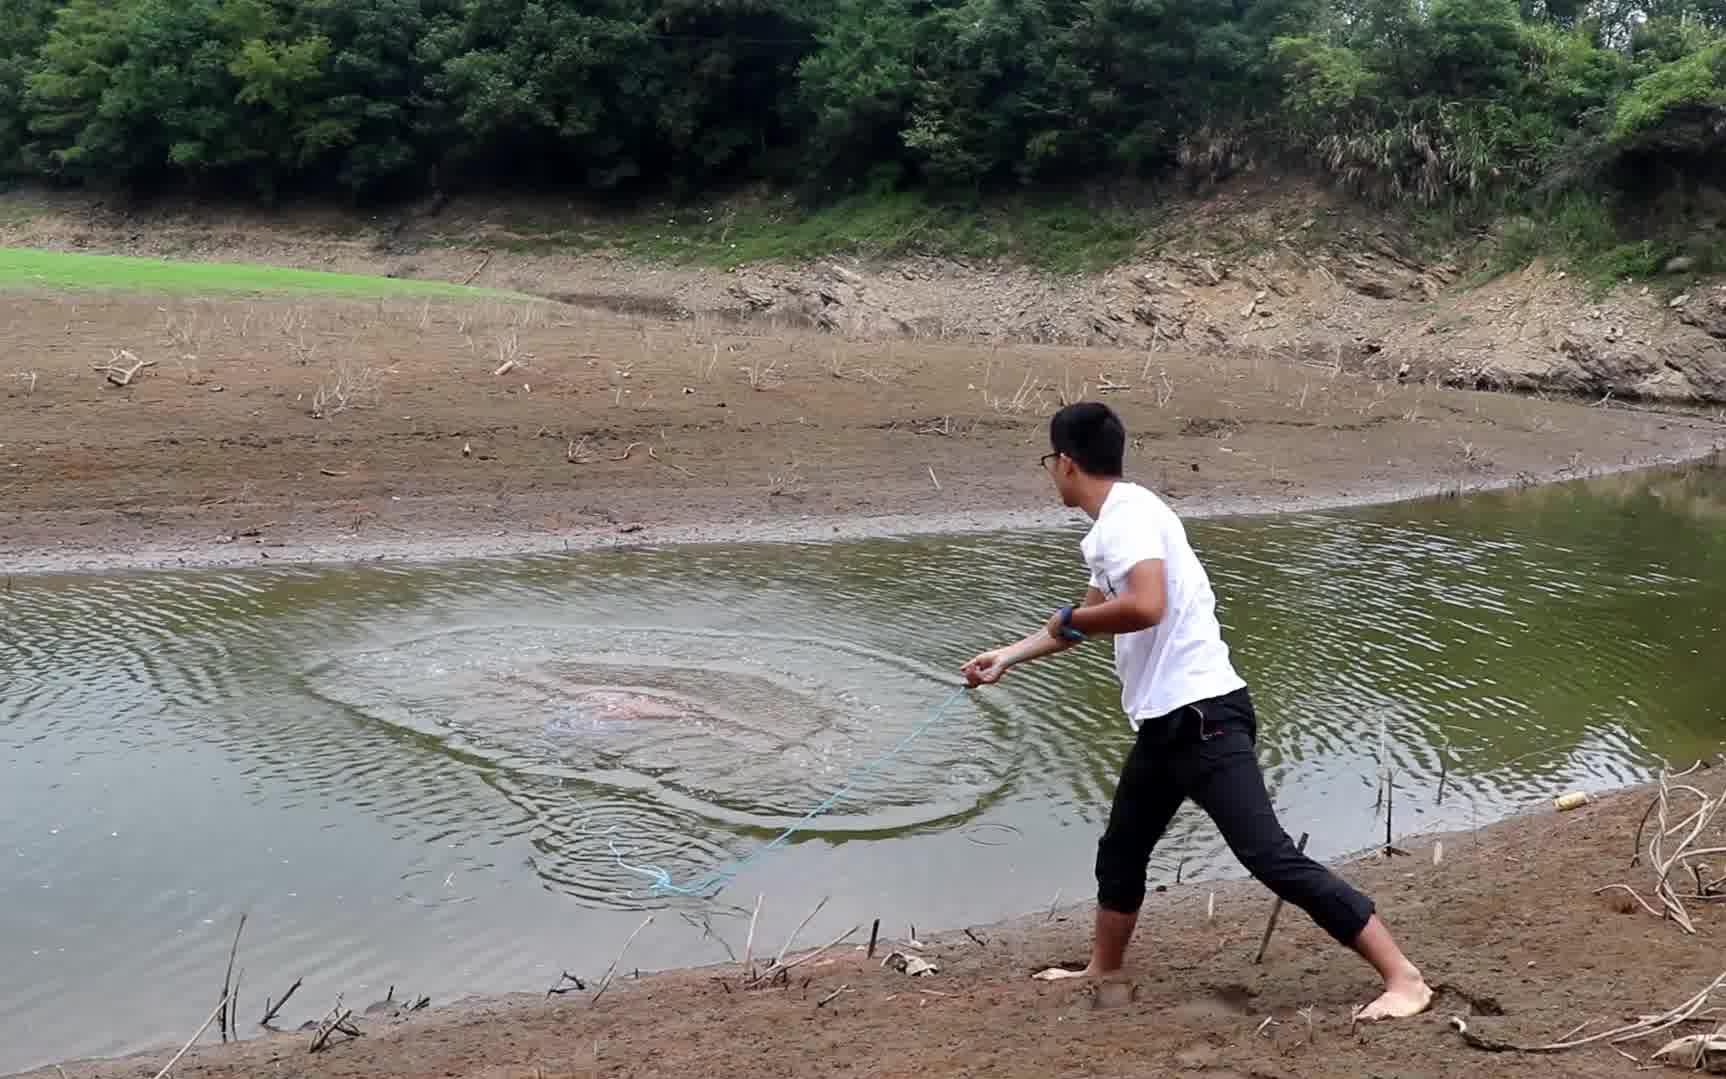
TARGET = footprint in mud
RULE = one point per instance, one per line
(1478, 1003)
(1114, 993)
(1226, 1002)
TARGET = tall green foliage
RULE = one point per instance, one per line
(1441, 102)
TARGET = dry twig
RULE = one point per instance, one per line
(605, 983)
(1276, 909)
(668, 464)
(749, 944)
(342, 1023)
(775, 970)
(477, 270)
(184, 1049)
(228, 981)
(790, 940)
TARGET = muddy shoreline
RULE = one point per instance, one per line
(193, 552)
(290, 432)
(1198, 1004)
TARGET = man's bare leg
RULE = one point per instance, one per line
(1405, 991)
(1108, 947)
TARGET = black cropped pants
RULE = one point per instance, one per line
(1205, 752)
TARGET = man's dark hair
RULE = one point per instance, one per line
(1092, 435)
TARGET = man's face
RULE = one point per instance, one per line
(1062, 473)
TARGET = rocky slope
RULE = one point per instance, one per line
(1287, 271)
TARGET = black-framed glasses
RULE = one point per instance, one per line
(1043, 461)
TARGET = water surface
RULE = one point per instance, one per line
(459, 778)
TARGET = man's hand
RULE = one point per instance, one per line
(986, 669)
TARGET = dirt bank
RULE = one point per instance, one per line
(1270, 265)
(1507, 923)
(341, 430)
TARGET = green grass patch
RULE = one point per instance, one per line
(1058, 235)
(27, 268)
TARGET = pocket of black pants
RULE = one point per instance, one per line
(1228, 713)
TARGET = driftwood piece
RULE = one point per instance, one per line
(119, 374)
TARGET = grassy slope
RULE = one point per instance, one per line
(1057, 234)
(1065, 233)
(23, 268)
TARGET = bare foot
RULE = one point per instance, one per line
(1403, 997)
(1058, 974)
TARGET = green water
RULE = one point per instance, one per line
(451, 778)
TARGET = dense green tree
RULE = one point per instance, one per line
(22, 33)
(1439, 101)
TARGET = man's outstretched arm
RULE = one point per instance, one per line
(986, 669)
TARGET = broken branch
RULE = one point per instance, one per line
(270, 1011)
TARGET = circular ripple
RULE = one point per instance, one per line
(747, 731)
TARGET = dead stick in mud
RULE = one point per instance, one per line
(1443, 774)
(606, 982)
(749, 944)
(477, 270)
(1276, 909)
(1389, 809)
(228, 978)
(776, 970)
(874, 935)
(780, 958)
(341, 1025)
(627, 450)
(168, 1067)
(668, 464)
(270, 1011)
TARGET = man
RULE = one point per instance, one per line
(1192, 714)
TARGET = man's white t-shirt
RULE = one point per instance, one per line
(1182, 659)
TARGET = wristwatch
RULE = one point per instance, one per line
(1067, 630)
